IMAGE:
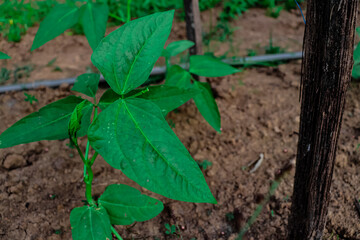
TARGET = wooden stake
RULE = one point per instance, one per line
(326, 73)
(193, 25)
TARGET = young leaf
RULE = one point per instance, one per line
(207, 106)
(125, 205)
(49, 123)
(89, 223)
(178, 77)
(133, 136)
(4, 56)
(76, 118)
(60, 18)
(94, 20)
(87, 84)
(207, 66)
(177, 47)
(127, 55)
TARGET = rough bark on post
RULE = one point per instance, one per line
(326, 73)
(193, 25)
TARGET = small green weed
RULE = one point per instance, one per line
(204, 164)
(230, 216)
(170, 229)
(173, 230)
(30, 98)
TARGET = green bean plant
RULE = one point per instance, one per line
(126, 127)
(200, 65)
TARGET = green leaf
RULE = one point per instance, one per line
(358, 31)
(178, 77)
(108, 98)
(87, 84)
(59, 19)
(89, 223)
(357, 54)
(126, 205)
(177, 47)
(167, 98)
(356, 71)
(127, 55)
(49, 123)
(207, 106)
(4, 56)
(207, 66)
(94, 20)
(133, 136)
(76, 118)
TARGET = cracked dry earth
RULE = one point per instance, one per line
(41, 182)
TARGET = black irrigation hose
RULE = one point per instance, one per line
(236, 61)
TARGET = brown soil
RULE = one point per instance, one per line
(41, 182)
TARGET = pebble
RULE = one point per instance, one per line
(14, 161)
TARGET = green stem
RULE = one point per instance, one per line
(92, 160)
(116, 17)
(88, 173)
(88, 181)
(128, 11)
(139, 93)
(167, 61)
(75, 143)
(116, 233)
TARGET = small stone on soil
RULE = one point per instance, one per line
(14, 161)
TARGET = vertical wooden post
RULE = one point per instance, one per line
(193, 25)
(326, 73)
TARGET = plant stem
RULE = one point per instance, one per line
(116, 17)
(139, 93)
(92, 160)
(128, 11)
(88, 173)
(88, 181)
(75, 143)
(116, 233)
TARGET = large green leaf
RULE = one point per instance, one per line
(207, 106)
(94, 20)
(127, 55)
(89, 223)
(177, 47)
(60, 18)
(125, 205)
(178, 77)
(4, 56)
(167, 98)
(87, 84)
(133, 136)
(207, 66)
(49, 123)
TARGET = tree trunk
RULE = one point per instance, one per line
(326, 73)
(193, 25)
